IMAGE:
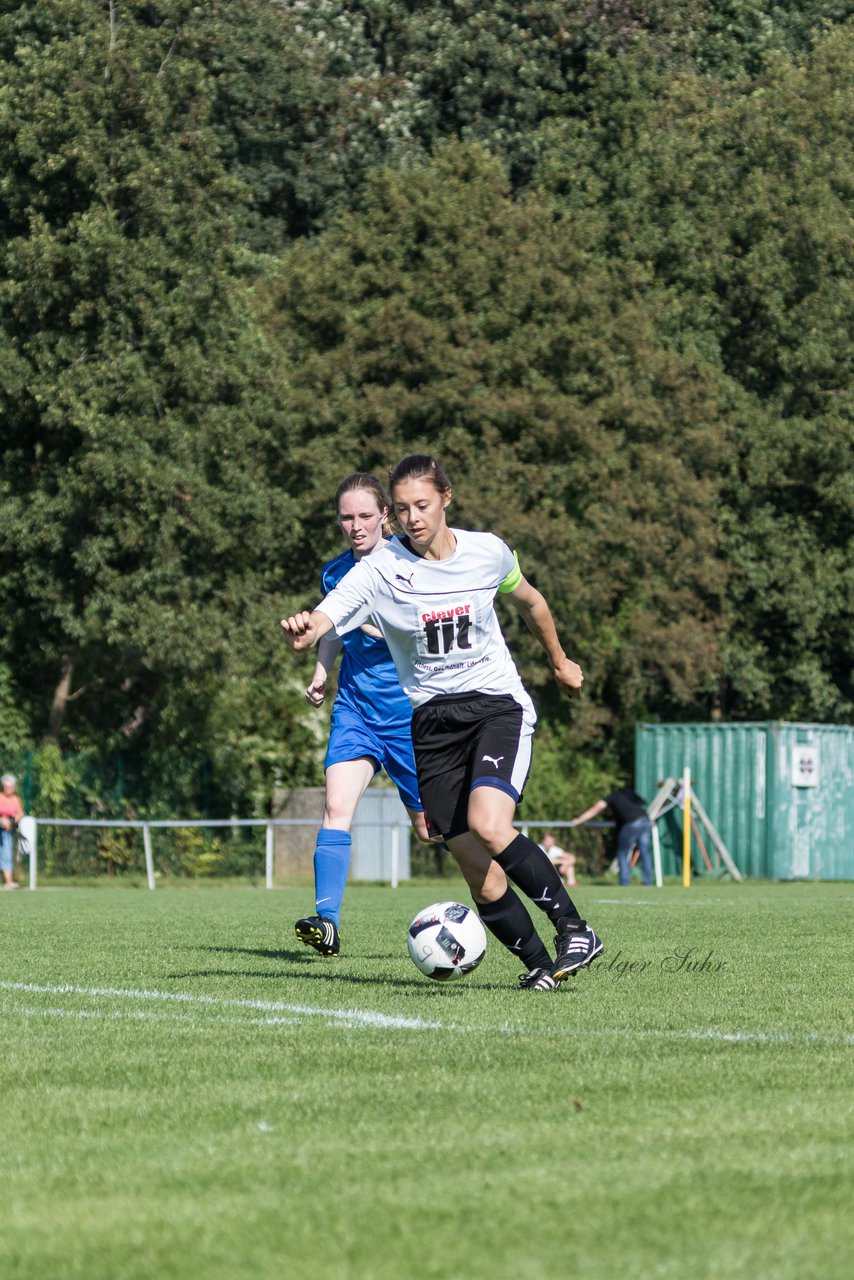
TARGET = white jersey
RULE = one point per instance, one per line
(437, 616)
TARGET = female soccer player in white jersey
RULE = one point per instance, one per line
(431, 591)
(371, 717)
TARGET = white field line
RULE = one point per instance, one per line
(364, 1017)
(140, 1015)
(666, 901)
(727, 1037)
(367, 1018)
(625, 902)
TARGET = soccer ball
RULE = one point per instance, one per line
(446, 940)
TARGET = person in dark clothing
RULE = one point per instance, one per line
(633, 828)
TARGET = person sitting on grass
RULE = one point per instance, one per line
(563, 859)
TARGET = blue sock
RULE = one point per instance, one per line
(331, 864)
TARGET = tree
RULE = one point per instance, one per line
(300, 110)
(142, 533)
(618, 309)
(495, 73)
(447, 317)
(730, 209)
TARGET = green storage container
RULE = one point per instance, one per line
(781, 795)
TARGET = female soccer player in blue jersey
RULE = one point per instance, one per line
(371, 717)
(431, 592)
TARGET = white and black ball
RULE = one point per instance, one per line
(446, 940)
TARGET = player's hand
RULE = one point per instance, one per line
(569, 676)
(316, 691)
(299, 630)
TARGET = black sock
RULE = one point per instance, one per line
(533, 872)
(508, 921)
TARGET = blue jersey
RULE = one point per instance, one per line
(368, 682)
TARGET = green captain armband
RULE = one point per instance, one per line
(513, 578)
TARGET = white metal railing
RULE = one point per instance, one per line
(28, 836)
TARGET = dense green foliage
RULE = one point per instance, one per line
(596, 256)
(144, 438)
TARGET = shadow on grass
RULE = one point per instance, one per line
(354, 979)
(290, 953)
(317, 969)
(302, 954)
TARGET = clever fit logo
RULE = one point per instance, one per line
(447, 630)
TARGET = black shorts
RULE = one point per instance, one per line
(468, 740)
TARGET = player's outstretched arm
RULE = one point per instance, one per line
(327, 651)
(303, 630)
(537, 617)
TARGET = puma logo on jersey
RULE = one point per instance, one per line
(398, 577)
(492, 760)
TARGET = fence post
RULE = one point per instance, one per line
(656, 855)
(395, 855)
(29, 834)
(149, 861)
(268, 857)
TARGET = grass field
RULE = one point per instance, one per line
(188, 1094)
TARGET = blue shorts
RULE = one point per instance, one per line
(389, 748)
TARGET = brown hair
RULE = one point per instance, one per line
(363, 480)
(420, 466)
